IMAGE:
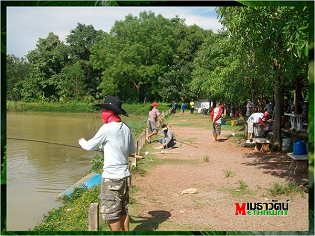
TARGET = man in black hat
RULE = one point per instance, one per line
(117, 141)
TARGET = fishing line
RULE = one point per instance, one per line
(40, 141)
(67, 145)
(233, 134)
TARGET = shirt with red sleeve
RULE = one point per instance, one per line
(216, 115)
(257, 118)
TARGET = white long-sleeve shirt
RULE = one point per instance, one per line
(216, 115)
(117, 141)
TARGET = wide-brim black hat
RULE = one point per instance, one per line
(113, 104)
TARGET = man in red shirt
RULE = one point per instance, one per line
(216, 118)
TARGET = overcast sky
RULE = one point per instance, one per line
(25, 25)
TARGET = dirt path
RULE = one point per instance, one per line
(213, 208)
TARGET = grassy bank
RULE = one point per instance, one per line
(79, 107)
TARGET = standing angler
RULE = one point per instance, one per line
(152, 126)
(117, 141)
(216, 118)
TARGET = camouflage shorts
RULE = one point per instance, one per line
(216, 129)
(114, 197)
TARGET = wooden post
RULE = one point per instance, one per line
(93, 217)
(133, 161)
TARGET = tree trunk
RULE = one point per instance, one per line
(279, 90)
(297, 96)
(253, 95)
(138, 89)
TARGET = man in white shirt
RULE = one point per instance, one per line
(117, 141)
(216, 118)
(255, 118)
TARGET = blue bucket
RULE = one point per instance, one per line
(299, 148)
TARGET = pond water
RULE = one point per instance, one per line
(38, 172)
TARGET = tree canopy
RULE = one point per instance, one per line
(272, 44)
(148, 57)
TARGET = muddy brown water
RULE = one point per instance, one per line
(38, 172)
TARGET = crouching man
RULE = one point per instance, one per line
(169, 139)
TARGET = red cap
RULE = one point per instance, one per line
(154, 104)
(265, 114)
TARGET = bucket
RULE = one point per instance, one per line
(299, 148)
(285, 144)
(233, 122)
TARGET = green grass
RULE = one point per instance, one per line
(73, 216)
(203, 122)
(98, 162)
(189, 121)
(206, 158)
(243, 185)
(73, 106)
(287, 188)
(238, 192)
(228, 173)
(79, 107)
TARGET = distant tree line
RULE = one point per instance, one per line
(152, 58)
(143, 58)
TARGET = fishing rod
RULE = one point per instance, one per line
(67, 145)
(187, 144)
(40, 141)
(233, 134)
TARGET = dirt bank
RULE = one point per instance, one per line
(207, 168)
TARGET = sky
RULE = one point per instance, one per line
(25, 25)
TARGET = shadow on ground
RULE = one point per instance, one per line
(150, 223)
(277, 164)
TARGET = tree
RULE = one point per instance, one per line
(175, 83)
(70, 82)
(135, 53)
(216, 69)
(80, 41)
(261, 34)
(17, 71)
(47, 60)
